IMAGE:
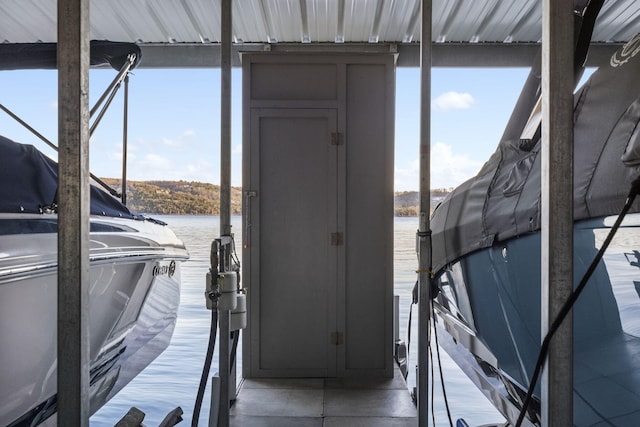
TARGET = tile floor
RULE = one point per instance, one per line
(324, 403)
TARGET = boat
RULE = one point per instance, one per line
(487, 246)
(134, 288)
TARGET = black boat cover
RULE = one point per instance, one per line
(24, 56)
(30, 183)
(503, 200)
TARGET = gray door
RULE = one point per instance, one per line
(293, 264)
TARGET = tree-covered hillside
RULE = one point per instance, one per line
(176, 197)
(407, 203)
(199, 198)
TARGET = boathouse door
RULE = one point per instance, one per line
(291, 218)
(318, 214)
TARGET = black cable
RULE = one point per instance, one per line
(444, 391)
(206, 368)
(234, 348)
(234, 254)
(566, 308)
(414, 300)
(408, 341)
(433, 388)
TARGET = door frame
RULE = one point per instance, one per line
(253, 229)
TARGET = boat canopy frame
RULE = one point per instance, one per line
(120, 56)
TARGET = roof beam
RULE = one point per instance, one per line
(494, 55)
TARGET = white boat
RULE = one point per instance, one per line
(134, 289)
(487, 254)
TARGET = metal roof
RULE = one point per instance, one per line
(176, 32)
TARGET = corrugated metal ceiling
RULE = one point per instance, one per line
(176, 22)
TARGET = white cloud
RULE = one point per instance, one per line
(408, 179)
(116, 155)
(54, 105)
(155, 162)
(180, 140)
(453, 101)
(154, 167)
(172, 142)
(448, 169)
(199, 166)
(237, 149)
(201, 170)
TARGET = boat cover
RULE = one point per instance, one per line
(503, 200)
(30, 183)
(24, 56)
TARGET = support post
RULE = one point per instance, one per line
(73, 213)
(223, 414)
(214, 409)
(225, 194)
(557, 206)
(125, 138)
(424, 232)
(225, 119)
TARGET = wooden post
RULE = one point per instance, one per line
(225, 194)
(73, 213)
(424, 232)
(557, 207)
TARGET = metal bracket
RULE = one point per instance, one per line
(337, 239)
(337, 338)
(247, 216)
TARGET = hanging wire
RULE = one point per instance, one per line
(414, 300)
(433, 388)
(444, 391)
(234, 254)
(207, 366)
(432, 323)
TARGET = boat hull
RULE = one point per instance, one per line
(134, 293)
(489, 305)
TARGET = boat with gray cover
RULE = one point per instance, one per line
(487, 246)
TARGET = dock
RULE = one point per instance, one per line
(318, 174)
(317, 402)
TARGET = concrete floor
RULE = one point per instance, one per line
(317, 402)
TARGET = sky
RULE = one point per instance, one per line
(174, 121)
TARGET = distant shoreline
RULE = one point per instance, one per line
(203, 199)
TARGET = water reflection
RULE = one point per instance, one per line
(172, 380)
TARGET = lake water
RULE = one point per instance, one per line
(173, 378)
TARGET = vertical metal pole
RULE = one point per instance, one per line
(73, 213)
(396, 318)
(224, 363)
(424, 232)
(557, 206)
(125, 136)
(225, 193)
(225, 119)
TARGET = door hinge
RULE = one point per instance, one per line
(337, 239)
(336, 138)
(337, 338)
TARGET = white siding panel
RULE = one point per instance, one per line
(284, 17)
(359, 16)
(323, 20)
(396, 19)
(618, 21)
(249, 21)
(28, 21)
(314, 21)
